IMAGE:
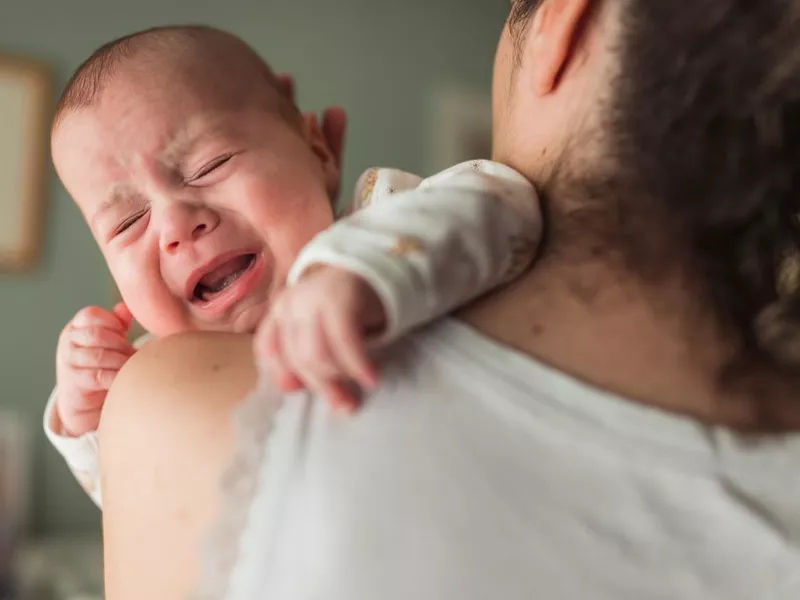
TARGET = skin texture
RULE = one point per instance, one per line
(579, 314)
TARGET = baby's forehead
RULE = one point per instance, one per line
(194, 101)
(185, 107)
(179, 62)
(103, 142)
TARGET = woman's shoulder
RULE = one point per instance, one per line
(201, 354)
(166, 437)
(197, 371)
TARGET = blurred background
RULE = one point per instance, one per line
(414, 77)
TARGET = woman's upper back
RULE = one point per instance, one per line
(474, 472)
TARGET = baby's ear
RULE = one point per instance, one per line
(322, 150)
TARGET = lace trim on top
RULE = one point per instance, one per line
(253, 422)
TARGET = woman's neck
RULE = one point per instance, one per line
(593, 325)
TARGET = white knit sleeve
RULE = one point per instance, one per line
(428, 249)
(81, 453)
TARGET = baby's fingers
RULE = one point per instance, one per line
(269, 350)
(267, 343)
(340, 398)
(289, 382)
(347, 343)
(97, 358)
(94, 380)
(310, 356)
(100, 337)
(94, 316)
(124, 314)
(307, 352)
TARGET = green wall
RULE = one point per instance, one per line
(380, 59)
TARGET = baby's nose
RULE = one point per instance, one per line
(184, 224)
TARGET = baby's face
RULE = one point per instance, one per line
(199, 208)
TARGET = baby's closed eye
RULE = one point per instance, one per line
(129, 222)
(199, 177)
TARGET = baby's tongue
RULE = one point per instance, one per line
(225, 274)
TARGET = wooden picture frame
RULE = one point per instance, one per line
(25, 111)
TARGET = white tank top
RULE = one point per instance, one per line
(476, 473)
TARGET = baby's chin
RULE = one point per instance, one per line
(245, 320)
(248, 321)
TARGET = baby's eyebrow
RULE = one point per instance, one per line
(178, 147)
(117, 194)
(186, 139)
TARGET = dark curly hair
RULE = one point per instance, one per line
(702, 134)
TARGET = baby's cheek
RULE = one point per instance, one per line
(154, 307)
(140, 282)
(287, 246)
(290, 226)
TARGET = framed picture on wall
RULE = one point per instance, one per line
(25, 95)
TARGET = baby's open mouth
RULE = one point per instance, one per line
(222, 277)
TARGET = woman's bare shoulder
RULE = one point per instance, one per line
(166, 436)
(216, 368)
(187, 360)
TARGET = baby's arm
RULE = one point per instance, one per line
(426, 249)
(412, 251)
(80, 453)
(78, 447)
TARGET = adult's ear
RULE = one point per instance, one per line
(552, 39)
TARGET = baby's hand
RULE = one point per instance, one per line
(314, 335)
(91, 351)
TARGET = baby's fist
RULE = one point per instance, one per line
(92, 349)
(314, 335)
